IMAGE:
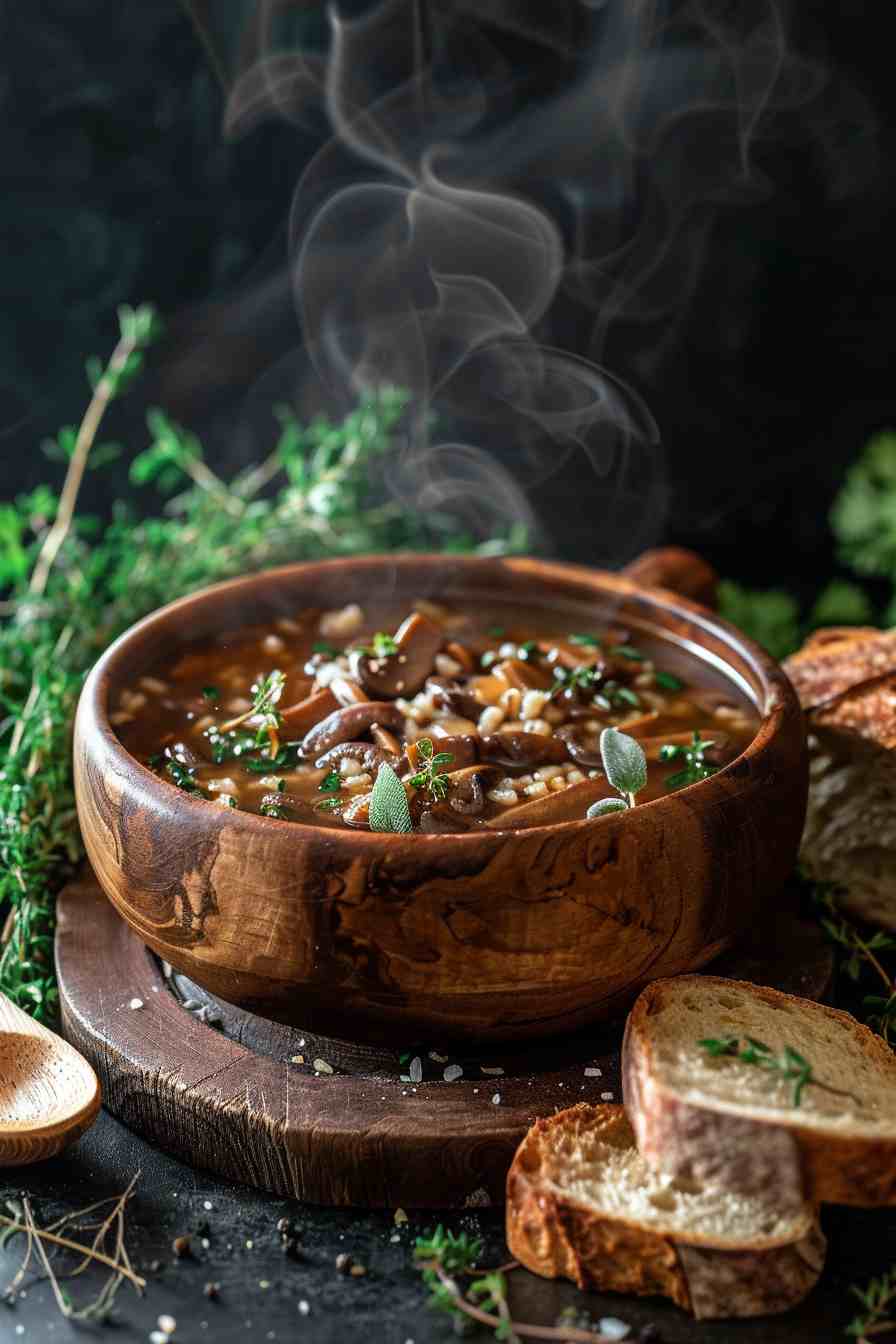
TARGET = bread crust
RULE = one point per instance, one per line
(752, 1154)
(836, 662)
(555, 1235)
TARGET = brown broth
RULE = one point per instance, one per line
(172, 717)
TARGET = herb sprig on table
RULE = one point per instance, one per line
(71, 584)
(445, 1258)
(878, 1316)
(860, 952)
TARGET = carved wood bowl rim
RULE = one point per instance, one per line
(780, 702)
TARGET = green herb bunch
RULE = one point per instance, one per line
(860, 955)
(695, 767)
(71, 584)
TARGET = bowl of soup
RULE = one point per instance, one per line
(360, 795)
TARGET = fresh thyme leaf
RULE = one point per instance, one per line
(331, 782)
(588, 641)
(527, 651)
(272, 806)
(878, 1300)
(576, 680)
(389, 809)
(695, 767)
(789, 1065)
(211, 693)
(668, 681)
(489, 657)
(428, 777)
(181, 776)
(321, 646)
(327, 804)
(630, 652)
(496, 631)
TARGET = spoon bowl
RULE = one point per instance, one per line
(49, 1094)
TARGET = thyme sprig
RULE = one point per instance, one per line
(107, 1248)
(860, 952)
(266, 696)
(878, 1298)
(695, 766)
(789, 1064)
(431, 762)
(71, 584)
(443, 1257)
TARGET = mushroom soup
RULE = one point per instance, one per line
(488, 719)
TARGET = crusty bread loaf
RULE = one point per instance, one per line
(583, 1204)
(846, 681)
(721, 1121)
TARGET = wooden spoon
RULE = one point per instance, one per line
(49, 1094)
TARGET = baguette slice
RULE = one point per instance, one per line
(730, 1123)
(846, 681)
(583, 1204)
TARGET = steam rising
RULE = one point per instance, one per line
(461, 233)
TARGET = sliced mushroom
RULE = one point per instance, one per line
(521, 749)
(383, 738)
(368, 756)
(298, 718)
(418, 640)
(451, 695)
(349, 724)
(468, 787)
(524, 676)
(347, 691)
(569, 804)
(357, 812)
(582, 747)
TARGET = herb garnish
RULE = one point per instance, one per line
(620, 696)
(587, 641)
(863, 951)
(389, 809)
(181, 776)
(789, 1064)
(668, 681)
(444, 1257)
(527, 650)
(381, 646)
(211, 693)
(625, 766)
(878, 1299)
(428, 777)
(575, 679)
(321, 646)
(630, 652)
(695, 767)
(331, 782)
(264, 706)
(272, 805)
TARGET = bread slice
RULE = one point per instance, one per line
(721, 1121)
(583, 1204)
(846, 681)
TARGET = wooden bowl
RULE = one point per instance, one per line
(486, 934)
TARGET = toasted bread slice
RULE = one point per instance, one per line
(731, 1123)
(846, 681)
(583, 1204)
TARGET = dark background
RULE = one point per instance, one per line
(765, 379)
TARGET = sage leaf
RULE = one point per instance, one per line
(605, 805)
(389, 809)
(624, 761)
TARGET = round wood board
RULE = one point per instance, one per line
(242, 1097)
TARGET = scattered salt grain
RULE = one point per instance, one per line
(304, 1307)
(606, 1096)
(321, 1066)
(136, 1003)
(496, 1099)
(452, 1073)
(167, 1324)
(594, 1073)
(155, 1337)
(415, 1071)
(612, 1328)
(207, 1205)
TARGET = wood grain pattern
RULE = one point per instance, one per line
(492, 934)
(49, 1094)
(233, 1101)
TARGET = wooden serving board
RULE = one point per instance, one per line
(235, 1099)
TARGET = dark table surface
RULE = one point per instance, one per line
(262, 1290)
